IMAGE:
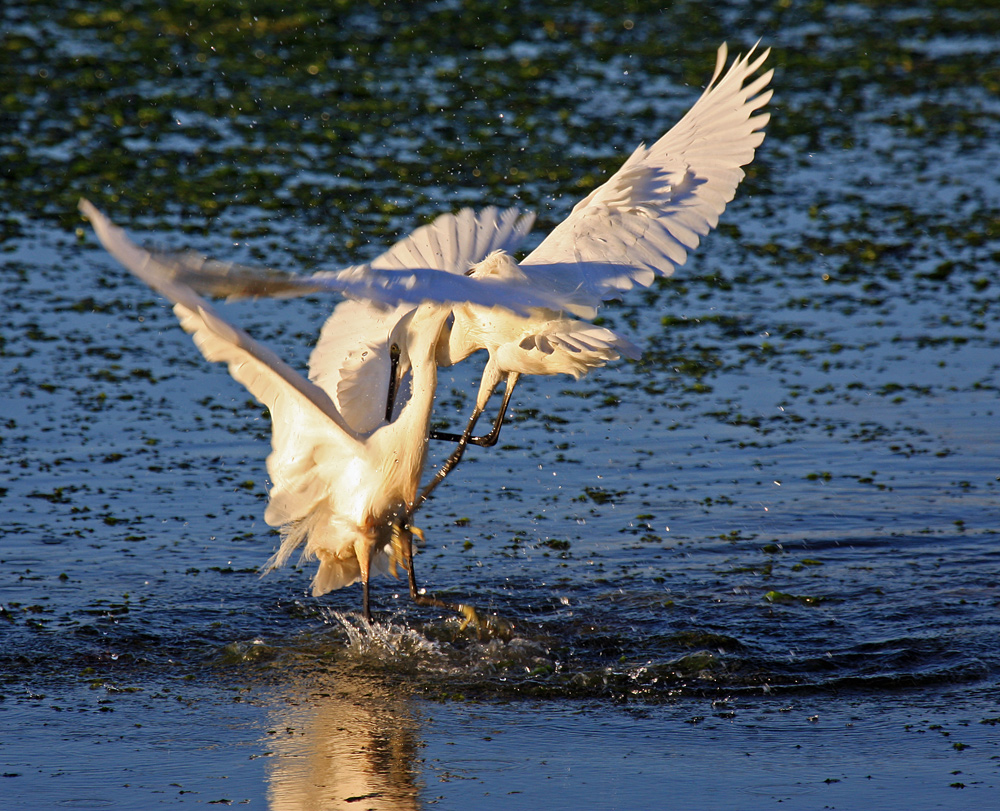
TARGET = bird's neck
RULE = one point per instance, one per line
(422, 348)
(407, 434)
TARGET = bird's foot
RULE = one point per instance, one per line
(401, 547)
(486, 627)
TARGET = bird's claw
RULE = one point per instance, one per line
(401, 546)
(471, 618)
(396, 550)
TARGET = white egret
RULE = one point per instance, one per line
(545, 341)
(640, 223)
(344, 484)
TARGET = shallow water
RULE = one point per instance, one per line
(757, 567)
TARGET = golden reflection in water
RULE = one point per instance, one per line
(349, 744)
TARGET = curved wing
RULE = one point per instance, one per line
(664, 198)
(351, 360)
(455, 242)
(580, 337)
(303, 419)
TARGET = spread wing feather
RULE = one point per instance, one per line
(455, 242)
(643, 221)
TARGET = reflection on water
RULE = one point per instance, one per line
(350, 742)
(784, 517)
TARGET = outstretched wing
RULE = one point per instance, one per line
(657, 206)
(303, 416)
(409, 285)
(266, 375)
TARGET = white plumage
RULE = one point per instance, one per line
(342, 490)
(345, 473)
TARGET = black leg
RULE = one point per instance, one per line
(390, 401)
(450, 462)
(466, 611)
(490, 439)
(411, 575)
(365, 604)
(444, 436)
(466, 437)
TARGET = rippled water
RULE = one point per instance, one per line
(757, 567)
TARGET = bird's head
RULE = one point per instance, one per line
(498, 265)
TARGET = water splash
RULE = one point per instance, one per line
(385, 643)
